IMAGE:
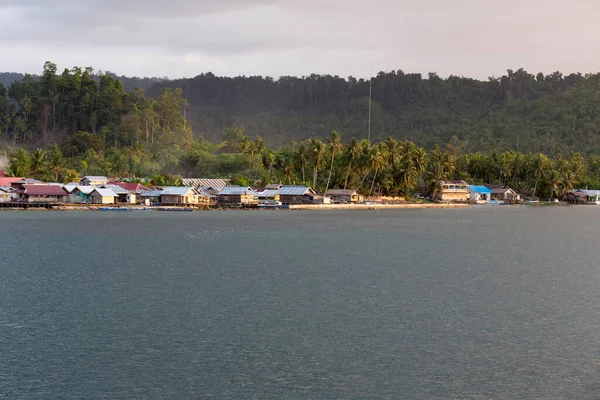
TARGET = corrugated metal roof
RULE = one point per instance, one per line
(295, 190)
(478, 189)
(44, 190)
(235, 190)
(589, 192)
(151, 193)
(178, 191)
(116, 188)
(341, 192)
(208, 183)
(105, 192)
(267, 193)
(85, 189)
(5, 189)
(130, 186)
(95, 178)
(27, 181)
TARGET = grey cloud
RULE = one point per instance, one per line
(470, 37)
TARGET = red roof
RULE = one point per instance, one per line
(8, 181)
(44, 190)
(3, 174)
(130, 186)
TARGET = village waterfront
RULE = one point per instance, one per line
(484, 302)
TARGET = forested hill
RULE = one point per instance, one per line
(517, 111)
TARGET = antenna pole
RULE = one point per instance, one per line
(369, 124)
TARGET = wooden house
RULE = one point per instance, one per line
(479, 194)
(124, 195)
(151, 197)
(575, 197)
(344, 196)
(299, 195)
(93, 181)
(504, 194)
(453, 190)
(42, 193)
(80, 194)
(237, 195)
(103, 196)
(178, 195)
(7, 194)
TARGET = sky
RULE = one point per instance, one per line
(184, 38)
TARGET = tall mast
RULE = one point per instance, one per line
(369, 124)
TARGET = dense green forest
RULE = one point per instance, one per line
(538, 133)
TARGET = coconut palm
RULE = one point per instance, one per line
(539, 168)
(334, 145)
(303, 157)
(393, 150)
(376, 161)
(406, 176)
(352, 151)
(554, 181)
(317, 151)
(38, 158)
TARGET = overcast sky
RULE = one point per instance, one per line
(183, 38)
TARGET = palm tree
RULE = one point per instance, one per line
(351, 152)
(569, 180)
(334, 145)
(539, 168)
(270, 162)
(289, 171)
(37, 161)
(554, 181)
(70, 175)
(406, 176)
(439, 167)
(317, 150)
(20, 163)
(393, 150)
(303, 156)
(376, 161)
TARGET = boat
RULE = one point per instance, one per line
(112, 208)
(180, 209)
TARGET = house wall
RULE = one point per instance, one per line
(295, 199)
(7, 197)
(97, 199)
(454, 195)
(45, 199)
(177, 199)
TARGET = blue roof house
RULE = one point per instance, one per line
(479, 194)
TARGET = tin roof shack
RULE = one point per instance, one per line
(103, 196)
(267, 194)
(299, 195)
(42, 194)
(80, 194)
(504, 194)
(131, 187)
(479, 194)
(124, 196)
(8, 181)
(178, 196)
(93, 180)
(151, 197)
(344, 196)
(454, 190)
(575, 197)
(214, 184)
(591, 196)
(7, 194)
(237, 195)
(18, 184)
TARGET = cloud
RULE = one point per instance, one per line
(279, 37)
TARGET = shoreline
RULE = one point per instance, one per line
(133, 208)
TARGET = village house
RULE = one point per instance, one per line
(124, 196)
(93, 181)
(237, 195)
(42, 194)
(131, 187)
(479, 194)
(575, 197)
(103, 196)
(453, 190)
(591, 196)
(175, 196)
(504, 194)
(79, 194)
(18, 184)
(299, 195)
(344, 196)
(7, 194)
(151, 197)
(216, 184)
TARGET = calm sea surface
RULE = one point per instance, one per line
(496, 302)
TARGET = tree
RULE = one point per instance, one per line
(317, 150)
(554, 182)
(352, 152)
(539, 167)
(334, 145)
